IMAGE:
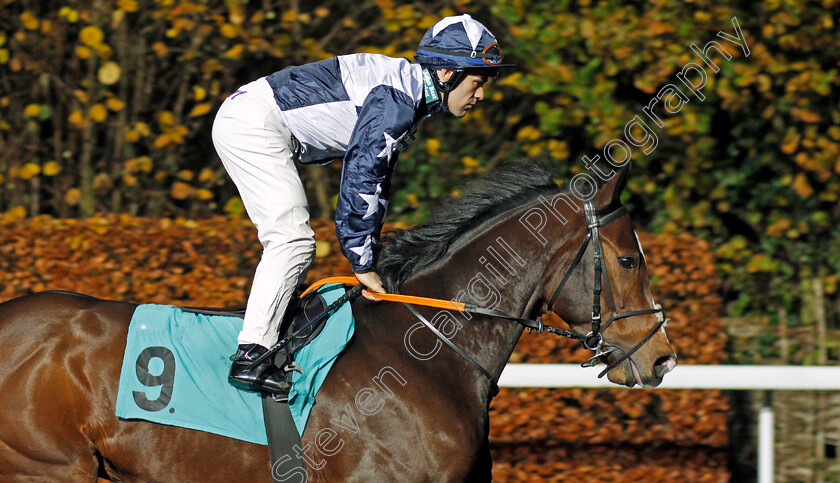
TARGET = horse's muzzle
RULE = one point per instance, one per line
(636, 372)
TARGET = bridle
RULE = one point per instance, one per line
(594, 340)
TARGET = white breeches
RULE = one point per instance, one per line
(255, 148)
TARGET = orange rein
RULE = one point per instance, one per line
(390, 297)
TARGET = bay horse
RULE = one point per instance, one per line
(398, 404)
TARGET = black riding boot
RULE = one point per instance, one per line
(265, 377)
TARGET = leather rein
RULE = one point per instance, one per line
(594, 340)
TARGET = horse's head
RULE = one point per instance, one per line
(601, 290)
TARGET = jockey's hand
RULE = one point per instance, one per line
(372, 281)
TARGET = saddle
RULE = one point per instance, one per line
(297, 327)
(300, 313)
(303, 321)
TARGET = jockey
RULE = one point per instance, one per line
(364, 108)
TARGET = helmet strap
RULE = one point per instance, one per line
(448, 86)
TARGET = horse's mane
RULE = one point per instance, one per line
(406, 252)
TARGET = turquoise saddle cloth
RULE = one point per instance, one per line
(176, 364)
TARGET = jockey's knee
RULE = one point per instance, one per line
(289, 252)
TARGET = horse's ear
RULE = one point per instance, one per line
(610, 192)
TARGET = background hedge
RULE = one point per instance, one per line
(106, 106)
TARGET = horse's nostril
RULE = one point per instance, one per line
(664, 365)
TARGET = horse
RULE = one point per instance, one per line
(398, 403)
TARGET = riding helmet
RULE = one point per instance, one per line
(461, 43)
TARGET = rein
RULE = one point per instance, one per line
(411, 300)
(593, 341)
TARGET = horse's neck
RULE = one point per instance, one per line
(503, 268)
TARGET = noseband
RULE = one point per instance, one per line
(594, 340)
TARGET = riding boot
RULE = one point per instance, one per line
(265, 377)
(291, 310)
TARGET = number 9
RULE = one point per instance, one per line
(166, 379)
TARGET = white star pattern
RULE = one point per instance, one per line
(372, 202)
(390, 146)
(365, 252)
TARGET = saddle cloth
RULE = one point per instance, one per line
(176, 364)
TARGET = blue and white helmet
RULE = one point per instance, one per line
(460, 42)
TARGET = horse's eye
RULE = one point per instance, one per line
(628, 262)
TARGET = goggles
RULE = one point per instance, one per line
(490, 56)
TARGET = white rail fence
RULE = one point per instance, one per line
(728, 377)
